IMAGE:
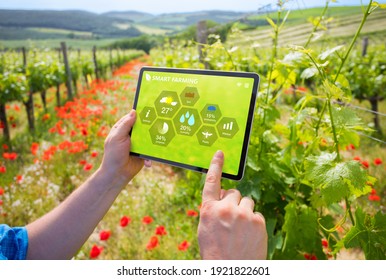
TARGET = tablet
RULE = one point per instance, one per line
(184, 116)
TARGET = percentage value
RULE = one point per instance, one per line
(210, 116)
(185, 128)
(160, 138)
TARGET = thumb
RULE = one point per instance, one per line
(124, 125)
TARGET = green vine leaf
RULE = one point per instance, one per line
(336, 180)
(346, 125)
(369, 233)
(329, 52)
(301, 232)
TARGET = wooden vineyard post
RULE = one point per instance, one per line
(365, 44)
(111, 60)
(95, 63)
(68, 70)
(24, 59)
(202, 34)
(29, 104)
(4, 122)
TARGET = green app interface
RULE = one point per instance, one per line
(186, 118)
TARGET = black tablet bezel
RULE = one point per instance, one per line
(248, 127)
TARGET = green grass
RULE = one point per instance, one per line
(297, 29)
(151, 30)
(61, 31)
(298, 16)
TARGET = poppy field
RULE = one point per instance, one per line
(316, 164)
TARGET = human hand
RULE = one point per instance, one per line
(228, 228)
(117, 161)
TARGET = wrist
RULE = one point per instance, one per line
(111, 178)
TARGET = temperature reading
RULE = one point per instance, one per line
(166, 110)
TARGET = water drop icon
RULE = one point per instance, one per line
(187, 114)
(182, 119)
(191, 120)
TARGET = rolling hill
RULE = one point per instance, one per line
(36, 24)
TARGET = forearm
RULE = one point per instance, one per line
(61, 233)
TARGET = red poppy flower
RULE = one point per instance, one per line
(153, 243)
(323, 142)
(192, 213)
(184, 245)
(310, 257)
(87, 167)
(1, 191)
(10, 156)
(365, 164)
(95, 251)
(65, 145)
(374, 197)
(19, 178)
(5, 147)
(357, 158)
(324, 243)
(1, 202)
(34, 148)
(377, 161)
(125, 221)
(82, 162)
(3, 169)
(94, 154)
(13, 125)
(160, 230)
(46, 117)
(350, 147)
(104, 235)
(147, 220)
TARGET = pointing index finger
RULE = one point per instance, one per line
(212, 187)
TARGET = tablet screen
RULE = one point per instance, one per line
(185, 116)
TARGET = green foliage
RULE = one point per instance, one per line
(302, 233)
(214, 28)
(145, 43)
(369, 233)
(336, 180)
(13, 87)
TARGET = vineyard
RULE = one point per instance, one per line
(316, 160)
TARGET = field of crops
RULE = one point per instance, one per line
(316, 163)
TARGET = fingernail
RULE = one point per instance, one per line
(132, 113)
(219, 154)
(261, 215)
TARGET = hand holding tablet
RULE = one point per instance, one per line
(185, 116)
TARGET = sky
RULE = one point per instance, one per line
(161, 6)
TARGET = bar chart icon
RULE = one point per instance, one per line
(228, 126)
